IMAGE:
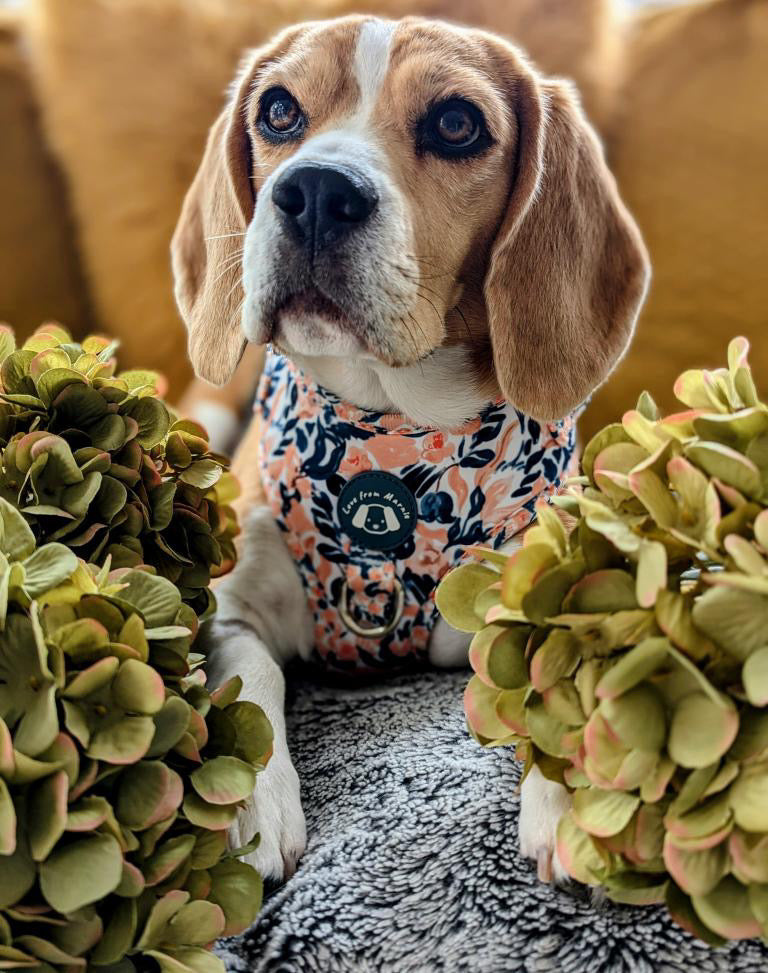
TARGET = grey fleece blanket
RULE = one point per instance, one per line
(412, 863)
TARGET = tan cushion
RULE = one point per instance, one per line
(690, 149)
(39, 273)
(130, 87)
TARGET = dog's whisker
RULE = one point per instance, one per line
(224, 236)
(235, 255)
(238, 311)
(419, 357)
(421, 258)
(228, 265)
(428, 277)
(430, 290)
(238, 283)
(431, 304)
(411, 337)
(227, 270)
(404, 272)
(409, 276)
(461, 314)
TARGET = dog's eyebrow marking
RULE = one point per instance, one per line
(371, 62)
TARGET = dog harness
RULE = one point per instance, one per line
(375, 510)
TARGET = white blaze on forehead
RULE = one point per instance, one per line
(372, 61)
(353, 139)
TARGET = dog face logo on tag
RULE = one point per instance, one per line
(377, 510)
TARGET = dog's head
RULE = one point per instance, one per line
(379, 189)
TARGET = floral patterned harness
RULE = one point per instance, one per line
(375, 510)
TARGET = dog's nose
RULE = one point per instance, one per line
(322, 204)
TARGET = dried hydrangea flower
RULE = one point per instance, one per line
(628, 659)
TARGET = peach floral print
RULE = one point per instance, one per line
(474, 485)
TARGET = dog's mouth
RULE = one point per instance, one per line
(310, 322)
(312, 303)
(306, 321)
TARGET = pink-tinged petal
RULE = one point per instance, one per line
(167, 859)
(648, 839)
(634, 770)
(7, 762)
(726, 911)
(704, 842)
(749, 854)
(123, 742)
(47, 816)
(85, 780)
(706, 825)
(478, 653)
(578, 758)
(87, 818)
(604, 752)
(579, 854)
(595, 776)
(7, 821)
(198, 729)
(573, 742)
(696, 872)
(680, 424)
(738, 353)
(730, 494)
(655, 787)
(187, 748)
(510, 710)
(92, 678)
(480, 707)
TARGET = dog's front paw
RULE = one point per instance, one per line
(542, 803)
(275, 812)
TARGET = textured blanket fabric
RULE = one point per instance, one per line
(412, 863)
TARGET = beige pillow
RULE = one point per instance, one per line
(130, 87)
(690, 150)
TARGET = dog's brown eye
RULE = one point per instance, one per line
(280, 113)
(453, 129)
(456, 126)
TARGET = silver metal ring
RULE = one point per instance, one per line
(372, 631)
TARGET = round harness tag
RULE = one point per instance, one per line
(377, 511)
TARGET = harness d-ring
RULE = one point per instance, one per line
(372, 631)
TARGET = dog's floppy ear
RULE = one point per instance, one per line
(208, 238)
(568, 270)
(210, 234)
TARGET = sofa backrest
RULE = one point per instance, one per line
(40, 275)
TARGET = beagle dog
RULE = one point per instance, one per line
(424, 231)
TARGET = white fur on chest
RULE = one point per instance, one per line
(439, 392)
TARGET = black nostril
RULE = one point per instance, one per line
(352, 208)
(289, 198)
(322, 204)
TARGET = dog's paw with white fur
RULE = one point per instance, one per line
(542, 803)
(275, 812)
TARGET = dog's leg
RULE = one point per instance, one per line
(542, 803)
(448, 647)
(261, 622)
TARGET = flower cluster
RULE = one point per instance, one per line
(96, 460)
(627, 657)
(120, 772)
